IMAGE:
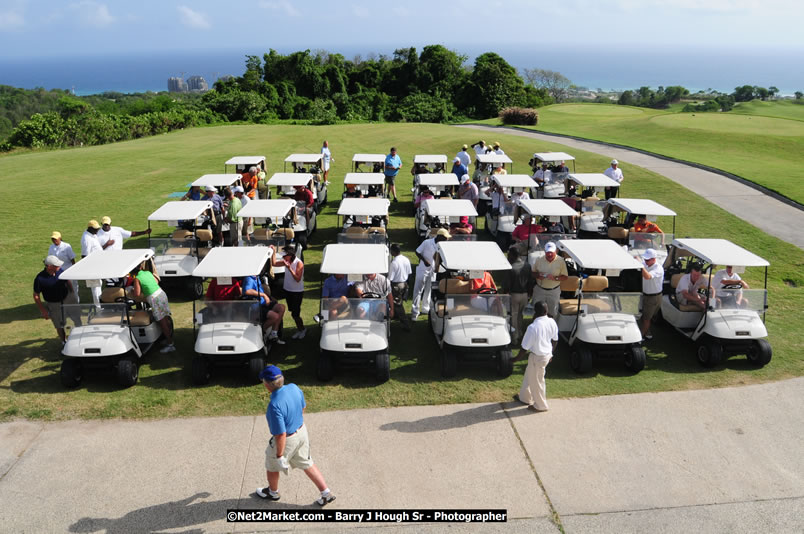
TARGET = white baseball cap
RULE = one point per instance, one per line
(649, 254)
(550, 247)
(464, 178)
(53, 260)
(615, 162)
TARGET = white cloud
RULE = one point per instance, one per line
(11, 19)
(360, 12)
(193, 19)
(281, 5)
(93, 14)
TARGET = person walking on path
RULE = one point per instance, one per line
(616, 174)
(293, 284)
(65, 253)
(289, 445)
(55, 292)
(392, 165)
(539, 342)
(399, 274)
(519, 285)
(652, 277)
(326, 160)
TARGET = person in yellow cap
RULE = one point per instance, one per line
(90, 245)
(64, 252)
(113, 236)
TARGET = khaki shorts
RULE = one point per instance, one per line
(58, 318)
(297, 451)
(650, 305)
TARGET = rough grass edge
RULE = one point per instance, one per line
(521, 116)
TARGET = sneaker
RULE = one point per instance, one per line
(301, 333)
(649, 337)
(395, 200)
(279, 341)
(325, 499)
(317, 318)
(168, 348)
(266, 493)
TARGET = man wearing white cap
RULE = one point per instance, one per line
(652, 278)
(468, 190)
(64, 252)
(615, 174)
(113, 236)
(549, 271)
(55, 292)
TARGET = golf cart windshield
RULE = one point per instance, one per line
(592, 303)
(487, 304)
(365, 237)
(174, 247)
(342, 309)
(229, 311)
(741, 299)
(105, 314)
(538, 241)
(640, 241)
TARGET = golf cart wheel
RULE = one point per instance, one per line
(581, 359)
(201, 371)
(70, 373)
(505, 363)
(255, 366)
(197, 288)
(127, 372)
(635, 359)
(760, 353)
(383, 363)
(449, 362)
(710, 353)
(324, 369)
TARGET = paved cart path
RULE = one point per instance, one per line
(722, 460)
(773, 216)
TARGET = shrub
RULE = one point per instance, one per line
(524, 116)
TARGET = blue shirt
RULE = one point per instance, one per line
(285, 411)
(392, 161)
(217, 202)
(53, 289)
(334, 288)
(253, 282)
(459, 169)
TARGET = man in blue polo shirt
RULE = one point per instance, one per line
(392, 165)
(55, 292)
(271, 310)
(289, 445)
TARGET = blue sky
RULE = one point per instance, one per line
(31, 28)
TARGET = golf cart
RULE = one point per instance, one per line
(354, 332)
(441, 213)
(501, 225)
(377, 162)
(732, 323)
(363, 220)
(594, 321)
(219, 181)
(120, 331)
(285, 183)
(242, 164)
(587, 188)
(310, 163)
(429, 163)
(470, 326)
(368, 184)
(177, 255)
(441, 185)
(486, 163)
(620, 215)
(557, 211)
(554, 179)
(229, 332)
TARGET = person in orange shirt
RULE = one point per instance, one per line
(487, 282)
(250, 183)
(643, 226)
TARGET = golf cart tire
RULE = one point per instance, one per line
(635, 359)
(505, 363)
(581, 359)
(383, 363)
(255, 366)
(324, 369)
(197, 288)
(760, 353)
(127, 372)
(449, 362)
(709, 352)
(70, 373)
(201, 371)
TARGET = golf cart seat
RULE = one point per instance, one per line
(181, 235)
(674, 280)
(178, 251)
(140, 318)
(287, 233)
(356, 230)
(204, 235)
(618, 233)
(112, 294)
(261, 234)
(453, 286)
(203, 251)
(376, 230)
(593, 284)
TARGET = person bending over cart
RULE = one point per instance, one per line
(146, 283)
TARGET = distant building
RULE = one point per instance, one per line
(177, 85)
(197, 83)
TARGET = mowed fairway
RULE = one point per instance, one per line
(760, 141)
(62, 190)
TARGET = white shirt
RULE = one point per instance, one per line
(427, 250)
(89, 243)
(400, 269)
(517, 198)
(327, 157)
(63, 251)
(465, 158)
(722, 275)
(538, 175)
(685, 284)
(290, 283)
(480, 150)
(115, 232)
(614, 174)
(497, 199)
(538, 336)
(654, 284)
(499, 152)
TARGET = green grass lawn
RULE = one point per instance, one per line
(61, 190)
(760, 141)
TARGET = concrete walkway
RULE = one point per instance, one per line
(773, 216)
(724, 460)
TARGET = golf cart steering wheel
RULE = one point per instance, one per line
(487, 291)
(732, 286)
(371, 295)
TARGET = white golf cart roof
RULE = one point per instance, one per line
(641, 206)
(549, 207)
(364, 178)
(450, 207)
(107, 264)
(429, 158)
(178, 211)
(233, 261)
(598, 254)
(217, 180)
(364, 206)
(268, 208)
(553, 156)
(472, 256)
(493, 158)
(245, 160)
(719, 252)
(343, 258)
(513, 180)
(290, 178)
(303, 158)
(368, 158)
(594, 179)
(437, 179)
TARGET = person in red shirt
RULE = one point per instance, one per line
(216, 291)
(302, 193)
(487, 282)
(462, 227)
(522, 232)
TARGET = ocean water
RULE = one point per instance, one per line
(594, 68)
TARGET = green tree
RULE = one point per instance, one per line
(744, 93)
(799, 95)
(495, 85)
